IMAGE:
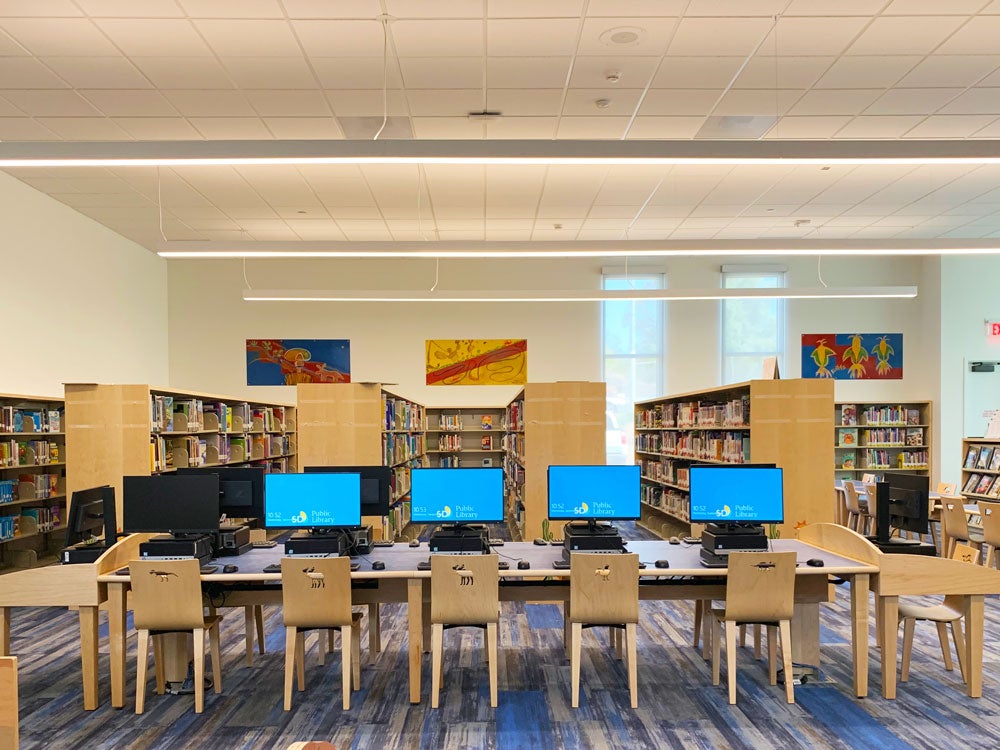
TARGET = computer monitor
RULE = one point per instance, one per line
(241, 489)
(320, 502)
(593, 493)
(376, 485)
(171, 503)
(739, 494)
(92, 515)
(901, 502)
(457, 496)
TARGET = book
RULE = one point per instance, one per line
(995, 461)
(848, 462)
(487, 443)
(984, 485)
(487, 422)
(972, 482)
(915, 436)
(847, 437)
(970, 457)
(985, 453)
(912, 416)
(849, 414)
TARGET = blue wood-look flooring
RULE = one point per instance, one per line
(678, 706)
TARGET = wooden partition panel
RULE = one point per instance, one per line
(340, 424)
(8, 703)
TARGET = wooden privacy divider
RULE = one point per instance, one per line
(8, 703)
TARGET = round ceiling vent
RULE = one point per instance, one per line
(623, 36)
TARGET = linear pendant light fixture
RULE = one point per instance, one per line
(575, 295)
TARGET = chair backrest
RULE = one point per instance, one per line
(166, 594)
(8, 702)
(603, 589)
(316, 592)
(965, 553)
(760, 586)
(868, 478)
(946, 488)
(465, 589)
(990, 515)
(953, 519)
(851, 497)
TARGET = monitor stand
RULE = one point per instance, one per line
(591, 537)
(319, 542)
(460, 538)
(897, 546)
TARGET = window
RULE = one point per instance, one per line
(633, 337)
(752, 329)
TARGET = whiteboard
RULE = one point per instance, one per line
(982, 394)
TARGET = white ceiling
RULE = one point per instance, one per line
(261, 69)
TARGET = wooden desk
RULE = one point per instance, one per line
(402, 582)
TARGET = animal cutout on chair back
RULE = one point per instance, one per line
(317, 594)
(604, 589)
(466, 592)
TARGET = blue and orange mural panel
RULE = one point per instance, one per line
(852, 356)
(477, 361)
(293, 361)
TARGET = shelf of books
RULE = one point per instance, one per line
(878, 436)
(362, 424)
(464, 436)
(785, 422)
(127, 430)
(981, 469)
(548, 424)
(32, 478)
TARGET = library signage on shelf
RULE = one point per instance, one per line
(294, 361)
(852, 356)
(477, 361)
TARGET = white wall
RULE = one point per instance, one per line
(80, 302)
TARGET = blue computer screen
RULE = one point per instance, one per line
(736, 494)
(456, 495)
(294, 501)
(594, 492)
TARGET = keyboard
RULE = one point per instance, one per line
(503, 565)
(383, 543)
(560, 564)
(263, 544)
(496, 542)
(557, 542)
(424, 565)
(208, 569)
(272, 568)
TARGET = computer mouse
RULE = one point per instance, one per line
(414, 542)
(540, 542)
(662, 563)
(523, 564)
(675, 540)
(230, 569)
(814, 562)
(378, 565)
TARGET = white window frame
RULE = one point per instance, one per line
(729, 271)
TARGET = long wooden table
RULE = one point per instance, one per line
(401, 582)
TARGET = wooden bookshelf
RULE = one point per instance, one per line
(33, 506)
(134, 430)
(980, 469)
(785, 422)
(362, 424)
(548, 424)
(872, 437)
(466, 436)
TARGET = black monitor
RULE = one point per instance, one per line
(171, 503)
(901, 502)
(241, 489)
(319, 502)
(92, 514)
(593, 493)
(736, 494)
(376, 485)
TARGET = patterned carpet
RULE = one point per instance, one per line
(678, 706)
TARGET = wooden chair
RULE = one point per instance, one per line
(990, 515)
(316, 595)
(760, 588)
(603, 590)
(946, 488)
(166, 598)
(465, 591)
(955, 525)
(854, 510)
(950, 611)
(8, 702)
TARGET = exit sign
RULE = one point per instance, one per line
(993, 329)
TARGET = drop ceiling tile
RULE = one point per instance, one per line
(600, 234)
(58, 36)
(84, 128)
(295, 128)
(329, 232)
(226, 8)
(231, 128)
(951, 70)
(756, 102)
(679, 102)
(652, 36)
(354, 73)
(696, 72)
(210, 103)
(445, 102)
(184, 72)
(154, 38)
(930, 7)
(786, 72)
(584, 102)
(594, 72)
(134, 8)
(326, 9)
(878, 127)
(366, 103)
(665, 127)
(442, 37)
(807, 127)
(718, 36)
(521, 127)
(249, 38)
(442, 72)
(866, 71)
(813, 36)
(977, 37)
(950, 126)
(979, 101)
(526, 72)
(447, 127)
(27, 72)
(990, 131)
(735, 7)
(911, 101)
(243, 213)
(278, 103)
(592, 127)
(510, 37)
(534, 9)
(835, 102)
(51, 103)
(270, 72)
(525, 103)
(158, 128)
(94, 72)
(354, 38)
(131, 103)
(33, 8)
(905, 35)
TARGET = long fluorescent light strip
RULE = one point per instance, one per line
(571, 295)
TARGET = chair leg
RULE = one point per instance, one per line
(576, 636)
(942, 630)
(291, 640)
(619, 642)
(216, 653)
(437, 645)
(141, 665)
(300, 659)
(324, 645)
(707, 631)
(731, 628)
(698, 609)
(199, 670)
(756, 641)
(567, 631)
(248, 623)
(772, 654)
(716, 649)
(356, 655)
(785, 627)
(258, 614)
(743, 636)
(158, 668)
(633, 670)
(904, 672)
(374, 630)
(345, 664)
(956, 632)
(491, 650)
